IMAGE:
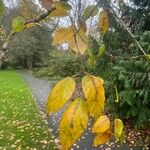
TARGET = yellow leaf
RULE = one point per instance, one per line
(73, 123)
(102, 124)
(62, 9)
(79, 43)
(60, 94)
(63, 35)
(18, 24)
(102, 138)
(104, 21)
(95, 95)
(148, 56)
(118, 128)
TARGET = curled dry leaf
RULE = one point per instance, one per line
(104, 21)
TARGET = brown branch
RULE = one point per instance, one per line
(40, 17)
(35, 20)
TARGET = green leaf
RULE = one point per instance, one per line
(90, 11)
(62, 9)
(118, 127)
(18, 24)
(148, 57)
(101, 50)
(2, 8)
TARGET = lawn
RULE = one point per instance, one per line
(21, 126)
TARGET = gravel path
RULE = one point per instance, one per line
(40, 89)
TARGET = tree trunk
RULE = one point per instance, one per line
(29, 62)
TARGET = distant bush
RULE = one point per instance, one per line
(59, 64)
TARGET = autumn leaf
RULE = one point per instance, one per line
(60, 94)
(102, 138)
(18, 24)
(2, 7)
(104, 21)
(63, 35)
(95, 95)
(73, 123)
(101, 125)
(118, 128)
(79, 43)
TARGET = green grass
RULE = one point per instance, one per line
(21, 127)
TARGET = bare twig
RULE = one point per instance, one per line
(127, 29)
(35, 20)
(40, 17)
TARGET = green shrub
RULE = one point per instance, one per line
(60, 64)
(133, 86)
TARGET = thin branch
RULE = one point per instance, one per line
(89, 15)
(127, 29)
(40, 17)
(35, 20)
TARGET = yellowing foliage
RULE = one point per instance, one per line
(102, 138)
(73, 123)
(102, 124)
(104, 21)
(79, 43)
(63, 35)
(60, 94)
(95, 95)
(18, 24)
(118, 128)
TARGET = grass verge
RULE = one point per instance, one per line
(21, 127)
